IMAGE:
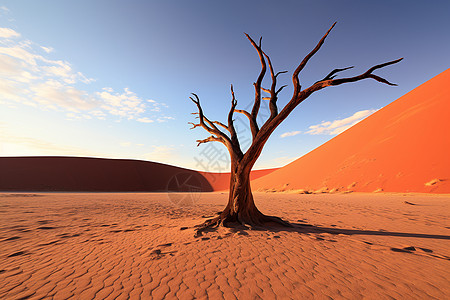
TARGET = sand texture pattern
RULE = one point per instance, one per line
(137, 246)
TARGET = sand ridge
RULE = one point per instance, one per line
(120, 246)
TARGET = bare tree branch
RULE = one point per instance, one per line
(280, 89)
(231, 129)
(245, 113)
(194, 125)
(271, 124)
(273, 94)
(265, 90)
(331, 74)
(367, 74)
(221, 124)
(212, 128)
(295, 79)
(256, 105)
(209, 139)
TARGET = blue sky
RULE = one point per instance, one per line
(112, 78)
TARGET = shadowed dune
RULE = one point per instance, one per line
(403, 147)
(77, 174)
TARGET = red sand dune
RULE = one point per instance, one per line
(78, 174)
(404, 147)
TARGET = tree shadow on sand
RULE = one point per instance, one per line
(308, 228)
(305, 228)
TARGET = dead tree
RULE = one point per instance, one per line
(241, 206)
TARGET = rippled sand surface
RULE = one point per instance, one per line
(122, 246)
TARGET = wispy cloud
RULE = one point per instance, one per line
(8, 33)
(145, 120)
(47, 49)
(291, 133)
(338, 126)
(29, 76)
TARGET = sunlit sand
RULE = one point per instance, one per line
(108, 246)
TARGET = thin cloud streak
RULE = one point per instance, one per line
(8, 33)
(338, 126)
(291, 133)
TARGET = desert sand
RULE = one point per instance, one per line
(403, 147)
(142, 246)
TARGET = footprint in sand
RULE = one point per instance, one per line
(410, 249)
(156, 254)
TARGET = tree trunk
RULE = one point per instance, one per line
(241, 207)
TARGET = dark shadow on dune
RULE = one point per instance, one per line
(79, 174)
(308, 228)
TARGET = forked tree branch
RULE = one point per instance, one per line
(273, 93)
(194, 125)
(209, 126)
(257, 103)
(300, 95)
(261, 135)
(295, 79)
(332, 75)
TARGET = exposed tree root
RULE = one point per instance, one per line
(255, 222)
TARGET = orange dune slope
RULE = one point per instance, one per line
(81, 174)
(404, 147)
